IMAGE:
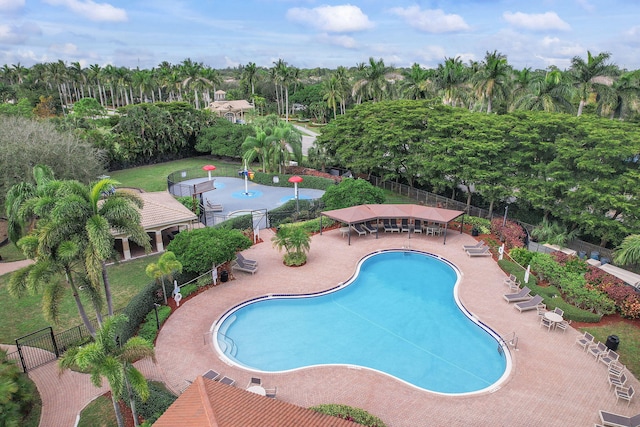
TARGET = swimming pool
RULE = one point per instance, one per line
(399, 314)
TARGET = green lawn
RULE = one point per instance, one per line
(154, 177)
(629, 349)
(98, 413)
(21, 316)
(10, 252)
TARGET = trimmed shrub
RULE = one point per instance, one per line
(350, 413)
(521, 255)
(159, 400)
(138, 307)
(314, 182)
(188, 289)
(512, 234)
(352, 192)
(483, 225)
(149, 329)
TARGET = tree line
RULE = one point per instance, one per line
(593, 84)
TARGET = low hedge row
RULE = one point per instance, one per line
(357, 415)
(149, 329)
(159, 400)
(315, 182)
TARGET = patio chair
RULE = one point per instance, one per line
(405, 225)
(585, 340)
(530, 304)
(211, 374)
(271, 392)
(597, 349)
(615, 420)
(479, 252)
(394, 224)
(617, 381)
(228, 381)
(558, 311)
(624, 393)
(523, 295)
(616, 369)
(546, 323)
(542, 309)
(515, 286)
(564, 325)
(358, 229)
(510, 280)
(417, 226)
(239, 264)
(608, 357)
(478, 245)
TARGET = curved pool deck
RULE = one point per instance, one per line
(552, 383)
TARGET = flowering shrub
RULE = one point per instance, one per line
(570, 262)
(511, 234)
(598, 277)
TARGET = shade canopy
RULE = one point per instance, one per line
(362, 213)
(295, 179)
(208, 168)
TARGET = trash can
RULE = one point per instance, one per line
(475, 232)
(612, 342)
(224, 276)
(582, 254)
(595, 255)
(604, 261)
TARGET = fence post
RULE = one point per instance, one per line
(53, 341)
(22, 362)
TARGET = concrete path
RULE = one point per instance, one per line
(308, 138)
(9, 267)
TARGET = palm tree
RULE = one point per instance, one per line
(344, 87)
(622, 95)
(451, 79)
(551, 92)
(591, 76)
(166, 266)
(416, 83)
(628, 253)
(106, 357)
(374, 85)
(332, 94)
(493, 77)
(249, 75)
(16, 197)
(284, 137)
(256, 146)
(295, 241)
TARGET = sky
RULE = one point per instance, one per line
(309, 33)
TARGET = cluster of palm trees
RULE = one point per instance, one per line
(487, 85)
(275, 144)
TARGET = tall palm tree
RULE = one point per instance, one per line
(332, 93)
(249, 75)
(256, 146)
(375, 84)
(551, 92)
(591, 75)
(345, 87)
(628, 253)
(451, 79)
(192, 78)
(416, 83)
(284, 141)
(622, 96)
(493, 77)
(113, 360)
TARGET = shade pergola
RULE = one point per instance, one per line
(362, 213)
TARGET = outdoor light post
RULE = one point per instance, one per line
(504, 220)
(296, 179)
(155, 307)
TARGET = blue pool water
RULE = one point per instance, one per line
(398, 315)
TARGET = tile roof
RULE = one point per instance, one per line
(207, 403)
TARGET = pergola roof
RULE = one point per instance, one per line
(361, 213)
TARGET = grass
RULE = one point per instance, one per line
(98, 413)
(21, 316)
(154, 177)
(629, 349)
(10, 252)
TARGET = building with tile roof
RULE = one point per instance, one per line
(207, 403)
(230, 110)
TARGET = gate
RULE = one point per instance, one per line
(37, 349)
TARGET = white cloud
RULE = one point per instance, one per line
(332, 19)
(432, 54)
(431, 20)
(342, 40)
(11, 5)
(66, 49)
(586, 5)
(536, 21)
(18, 34)
(632, 36)
(92, 10)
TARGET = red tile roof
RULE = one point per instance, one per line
(207, 403)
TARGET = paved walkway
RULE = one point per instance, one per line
(553, 383)
(8, 267)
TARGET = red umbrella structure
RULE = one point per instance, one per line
(209, 168)
(296, 179)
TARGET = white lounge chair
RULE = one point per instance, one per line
(478, 245)
(484, 251)
(242, 264)
(614, 420)
(358, 229)
(530, 304)
(523, 295)
(390, 226)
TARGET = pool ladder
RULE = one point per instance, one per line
(510, 340)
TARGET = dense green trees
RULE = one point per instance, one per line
(582, 170)
(352, 192)
(18, 394)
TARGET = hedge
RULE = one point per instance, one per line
(159, 400)
(357, 415)
(138, 307)
(149, 329)
(314, 182)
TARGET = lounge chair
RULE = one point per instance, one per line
(531, 304)
(615, 420)
(358, 229)
(585, 340)
(228, 381)
(246, 261)
(394, 224)
(254, 381)
(405, 226)
(479, 252)
(523, 295)
(368, 227)
(608, 357)
(597, 349)
(620, 381)
(417, 226)
(478, 245)
(624, 393)
(247, 267)
(388, 226)
(211, 374)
